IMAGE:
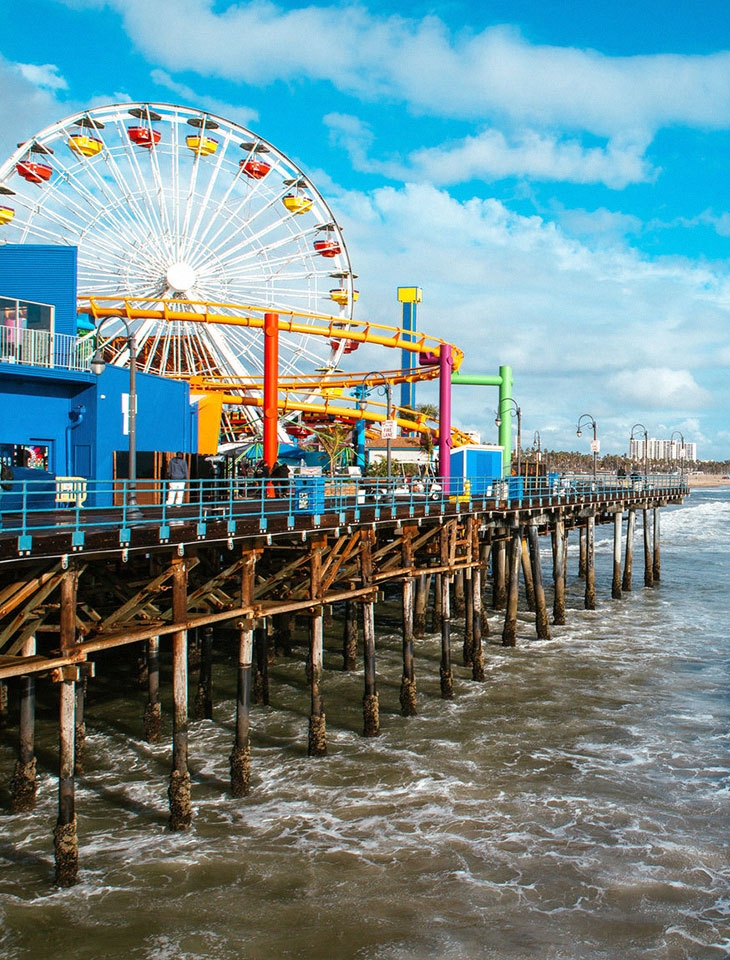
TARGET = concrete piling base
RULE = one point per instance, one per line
(153, 722)
(408, 697)
(23, 787)
(317, 746)
(241, 770)
(66, 851)
(181, 809)
(371, 715)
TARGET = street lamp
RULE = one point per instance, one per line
(514, 410)
(537, 442)
(595, 446)
(387, 387)
(682, 451)
(97, 367)
(646, 445)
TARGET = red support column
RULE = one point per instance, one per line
(271, 388)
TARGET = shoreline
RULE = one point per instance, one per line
(707, 480)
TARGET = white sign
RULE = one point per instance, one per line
(595, 446)
(389, 429)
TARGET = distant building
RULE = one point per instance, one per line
(667, 450)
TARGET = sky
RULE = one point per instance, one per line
(554, 176)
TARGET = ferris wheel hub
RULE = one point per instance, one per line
(180, 277)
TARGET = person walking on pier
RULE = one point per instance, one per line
(177, 473)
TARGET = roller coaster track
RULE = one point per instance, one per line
(324, 395)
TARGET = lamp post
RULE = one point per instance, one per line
(595, 446)
(537, 443)
(97, 367)
(387, 387)
(646, 445)
(682, 451)
(516, 411)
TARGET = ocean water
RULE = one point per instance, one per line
(574, 805)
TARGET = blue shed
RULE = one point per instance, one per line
(480, 464)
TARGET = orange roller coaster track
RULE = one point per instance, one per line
(316, 396)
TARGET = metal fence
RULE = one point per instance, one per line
(75, 505)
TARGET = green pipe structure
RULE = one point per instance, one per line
(504, 381)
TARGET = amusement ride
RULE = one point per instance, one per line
(198, 235)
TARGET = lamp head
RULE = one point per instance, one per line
(98, 366)
(498, 420)
(579, 432)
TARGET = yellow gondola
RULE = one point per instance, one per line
(205, 146)
(84, 145)
(342, 296)
(6, 214)
(297, 202)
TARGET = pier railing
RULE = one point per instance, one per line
(75, 505)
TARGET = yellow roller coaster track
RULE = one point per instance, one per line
(330, 385)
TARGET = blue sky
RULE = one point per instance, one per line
(554, 176)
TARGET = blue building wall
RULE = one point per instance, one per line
(81, 421)
(43, 273)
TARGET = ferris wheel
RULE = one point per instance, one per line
(172, 205)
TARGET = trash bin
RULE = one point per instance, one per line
(309, 495)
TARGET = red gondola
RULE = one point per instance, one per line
(327, 248)
(255, 169)
(144, 136)
(34, 172)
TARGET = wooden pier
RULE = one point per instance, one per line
(68, 593)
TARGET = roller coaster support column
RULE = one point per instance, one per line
(409, 297)
(271, 388)
(446, 366)
(504, 381)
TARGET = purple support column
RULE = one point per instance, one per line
(446, 363)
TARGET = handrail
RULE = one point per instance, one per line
(32, 507)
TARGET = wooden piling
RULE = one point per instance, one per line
(657, 547)
(468, 645)
(581, 552)
(181, 812)
(629, 562)
(616, 582)
(317, 743)
(349, 637)
(408, 680)
(80, 736)
(371, 715)
(261, 664)
(477, 659)
(240, 760)
(437, 606)
(203, 709)
(542, 627)
(459, 605)
(446, 674)
(65, 842)
(24, 782)
(499, 566)
(509, 631)
(590, 563)
(423, 588)
(559, 573)
(648, 553)
(153, 709)
(527, 576)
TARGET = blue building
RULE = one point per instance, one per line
(72, 422)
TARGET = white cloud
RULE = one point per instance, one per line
(657, 388)
(470, 75)
(492, 155)
(45, 75)
(574, 323)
